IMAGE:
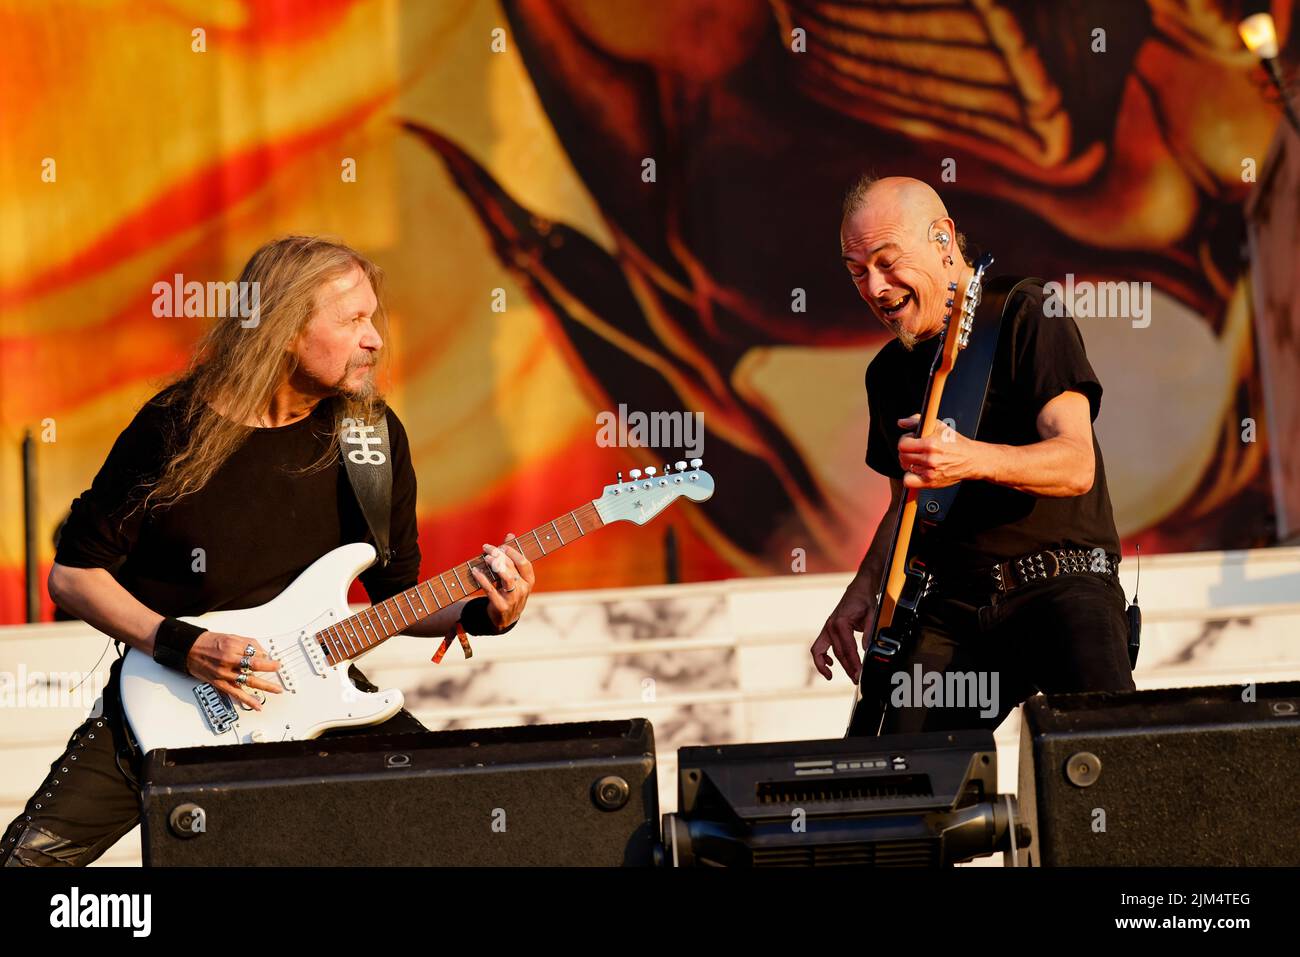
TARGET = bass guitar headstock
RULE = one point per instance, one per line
(970, 301)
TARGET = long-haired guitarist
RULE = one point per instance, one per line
(224, 487)
(1024, 593)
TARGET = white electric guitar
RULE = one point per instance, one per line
(314, 635)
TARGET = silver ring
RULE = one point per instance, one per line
(242, 679)
(250, 651)
(244, 662)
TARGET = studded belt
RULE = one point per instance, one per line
(1007, 576)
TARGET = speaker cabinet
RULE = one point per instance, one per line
(565, 794)
(1173, 777)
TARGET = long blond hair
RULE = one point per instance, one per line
(241, 367)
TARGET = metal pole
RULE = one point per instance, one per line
(32, 553)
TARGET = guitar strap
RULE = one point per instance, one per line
(367, 459)
(962, 404)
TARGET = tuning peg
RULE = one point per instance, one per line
(681, 466)
(650, 470)
(619, 481)
(634, 474)
(696, 463)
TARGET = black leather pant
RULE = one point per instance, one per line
(91, 797)
(1057, 635)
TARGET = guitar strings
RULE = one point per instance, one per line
(332, 646)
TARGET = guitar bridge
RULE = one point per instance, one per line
(216, 707)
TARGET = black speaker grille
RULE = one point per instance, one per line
(886, 854)
(1186, 777)
(824, 791)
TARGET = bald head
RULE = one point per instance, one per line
(902, 250)
(903, 199)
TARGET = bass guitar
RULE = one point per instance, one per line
(906, 579)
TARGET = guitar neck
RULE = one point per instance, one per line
(357, 634)
(945, 355)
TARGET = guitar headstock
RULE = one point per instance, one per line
(970, 301)
(643, 496)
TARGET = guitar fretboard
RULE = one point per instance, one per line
(358, 633)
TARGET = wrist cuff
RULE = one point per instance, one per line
(474, 618)
(172, 644)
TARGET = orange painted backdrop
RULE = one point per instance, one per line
(499, 153)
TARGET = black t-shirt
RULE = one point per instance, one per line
(1038, 357)
(258, 526)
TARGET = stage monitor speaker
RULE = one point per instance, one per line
(563, 794)
(904, 800)
(1172, 777)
